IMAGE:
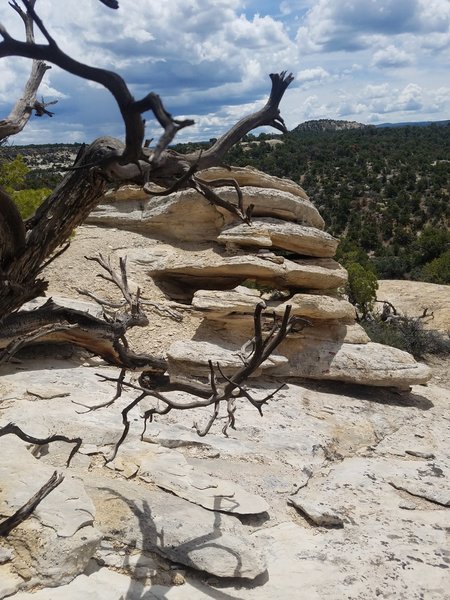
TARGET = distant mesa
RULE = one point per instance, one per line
(321, 125)
(325, 125)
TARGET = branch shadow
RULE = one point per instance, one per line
(153, 541)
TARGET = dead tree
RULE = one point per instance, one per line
(27, 247)
(107, 160)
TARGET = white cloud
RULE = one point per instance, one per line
(211, 60)
(315, 74)
(391, 57)
(351, 25)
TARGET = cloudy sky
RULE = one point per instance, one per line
(371, 61)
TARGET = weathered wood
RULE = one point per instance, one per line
(27, 509)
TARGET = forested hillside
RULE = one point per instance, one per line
(384, 192)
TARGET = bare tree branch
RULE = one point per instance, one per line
(12, 429)
(214, 393)
(23, 108)
(28, 508)
(130, 109)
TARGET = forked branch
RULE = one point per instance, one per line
(131, 110)
(220, 389)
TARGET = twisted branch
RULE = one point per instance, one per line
(214, 393)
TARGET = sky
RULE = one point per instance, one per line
(371, 61)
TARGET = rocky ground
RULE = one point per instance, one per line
(338, 492)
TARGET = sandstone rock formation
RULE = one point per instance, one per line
(357, 475)
(223, 268)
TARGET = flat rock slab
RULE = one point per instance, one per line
(308, 356)
(249, 176)
(207, 269)
(274, 233)
(184, 215)
(183, 532)
(273, 203)
(55, 543)
(107, 584)
(169, 469)
(66, 510)
(365, 364)
(220, 304)
(316, 306)
(51, 412)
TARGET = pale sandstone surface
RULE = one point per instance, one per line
(246, 176)
(371, 467)
(206, 266)
(275, 233)
(188, 216)
(344, 490)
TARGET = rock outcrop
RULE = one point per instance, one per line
(362, 480)
(224, 268)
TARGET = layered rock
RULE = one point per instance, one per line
(224, 268)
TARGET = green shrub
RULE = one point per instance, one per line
(361, 288)
(27, 201)
(438, 270)
(408, 334)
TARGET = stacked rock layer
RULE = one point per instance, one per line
(224, 268)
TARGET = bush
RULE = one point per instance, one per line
(27, 201)
(438, 270)
(361, 288)
(408, 334)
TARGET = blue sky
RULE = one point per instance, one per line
(370, 61)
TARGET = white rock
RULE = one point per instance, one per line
(55, 543)
(192, 357)
(169, 470)
(198, 269)
(275, 233)
(205, 540)
(366, 364)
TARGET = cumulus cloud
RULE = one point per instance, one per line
(391, 57)
(315, 74)
(376, 102)
(211, 60)
(351, 25)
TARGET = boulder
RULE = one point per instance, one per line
(365, 364)
(249, 176)
(274, 203)
(184, 215)
(317, 306)
(221, 304)
(191, 357)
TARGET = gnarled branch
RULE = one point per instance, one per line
(215, 393)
